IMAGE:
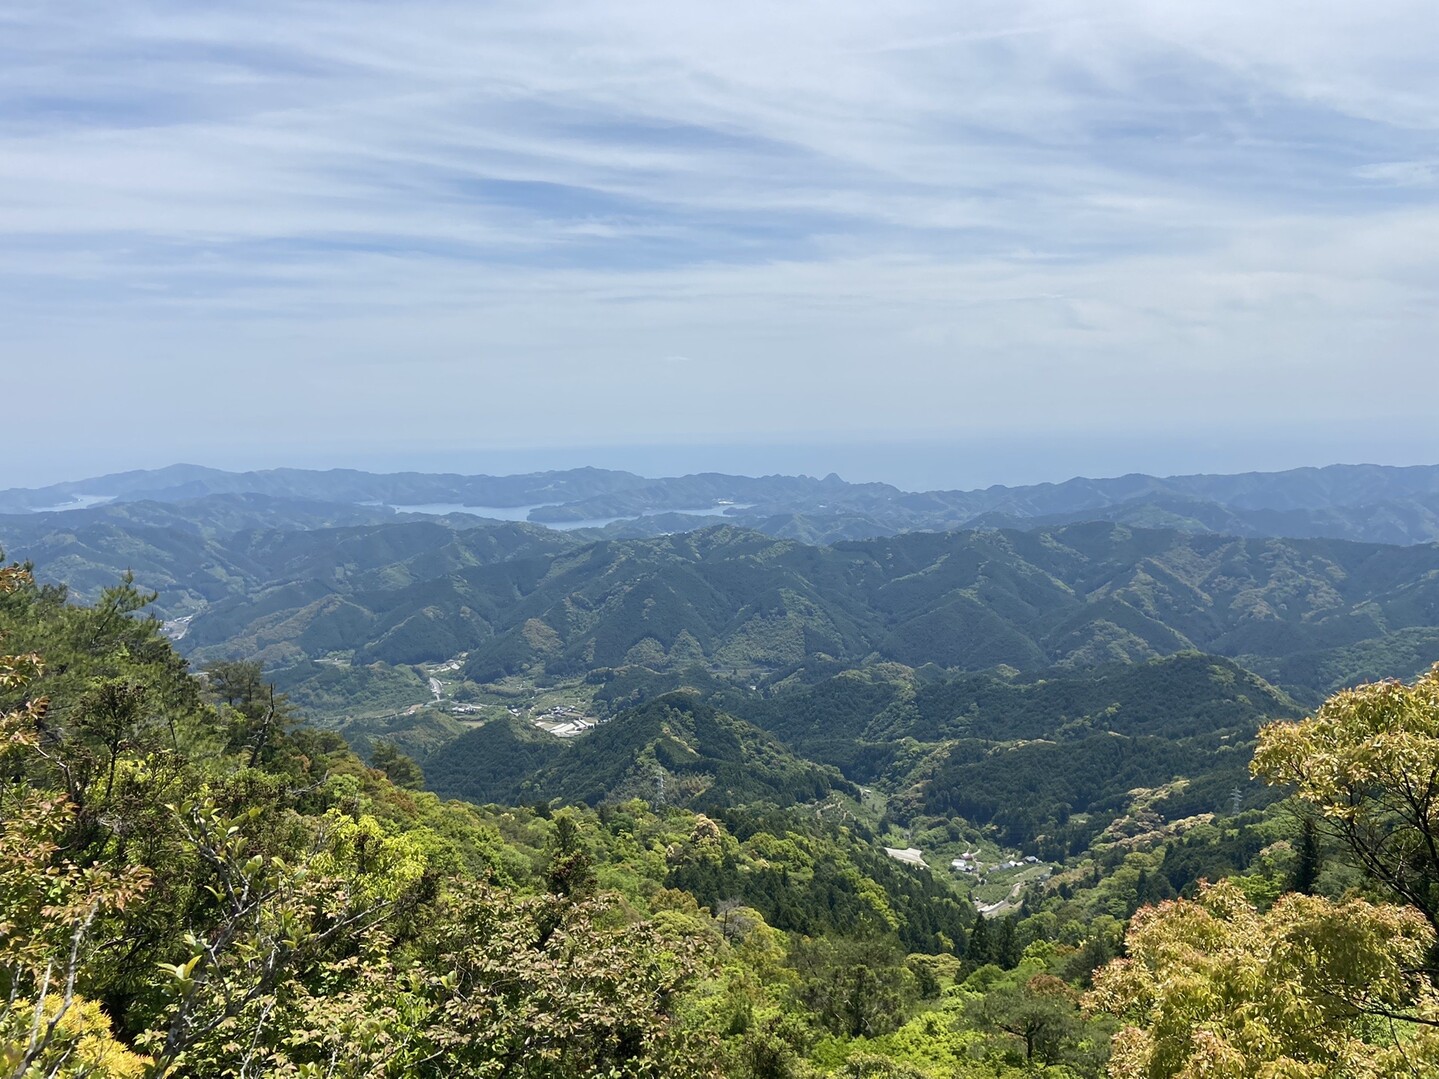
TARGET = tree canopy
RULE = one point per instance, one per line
(1311, 987)
(1367, 762)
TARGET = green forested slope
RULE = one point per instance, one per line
(1306, 612)
(194, 886)
(195, 882)
(1080, 596)
(675, 748)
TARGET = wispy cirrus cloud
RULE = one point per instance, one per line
(850, 216)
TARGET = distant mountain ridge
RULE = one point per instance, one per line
(178, 483)
(1080, 596)
(1377, 503)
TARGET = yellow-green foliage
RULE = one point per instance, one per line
(83, 1045)
(1212, 988)
(1366, 765)
(381, 861)
(1384, 735)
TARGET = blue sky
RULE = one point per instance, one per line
(1102, 237)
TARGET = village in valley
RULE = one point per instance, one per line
(993, 878)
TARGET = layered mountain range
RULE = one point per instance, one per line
(291, 564)
(518, 598)
(1360, 502)
(1034, 671)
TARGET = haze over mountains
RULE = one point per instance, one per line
(1384, 504)
(943, 644)
(1059, 669)
(292, 565)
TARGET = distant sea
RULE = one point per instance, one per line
(950, 463)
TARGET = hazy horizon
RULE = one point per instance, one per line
(914, 465)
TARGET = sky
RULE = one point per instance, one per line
(937, 243)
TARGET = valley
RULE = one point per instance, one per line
(947, 670)
(984, 748)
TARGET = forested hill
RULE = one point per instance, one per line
(1078, 596)
(192, 879)
(197, 887)
(1305, 613)
(1048, 762)
(193, 560)
(758, 793)
(699, 756)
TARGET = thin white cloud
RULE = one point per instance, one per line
(1402, 173)
(845, 214)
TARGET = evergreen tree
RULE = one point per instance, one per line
(981, 948)
(1306, 869)
(399, 769)
(1007, 949)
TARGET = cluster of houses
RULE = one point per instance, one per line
(967, 863)
(563, 720)
(572, 727)
(568, 721)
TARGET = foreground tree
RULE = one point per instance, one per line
(1039, 1011)
(1214, 988)
(1309, 990)
(52, 911)
(1368, 764)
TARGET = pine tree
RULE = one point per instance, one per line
(981, 948)
(1306, 872)
(1007, 951)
